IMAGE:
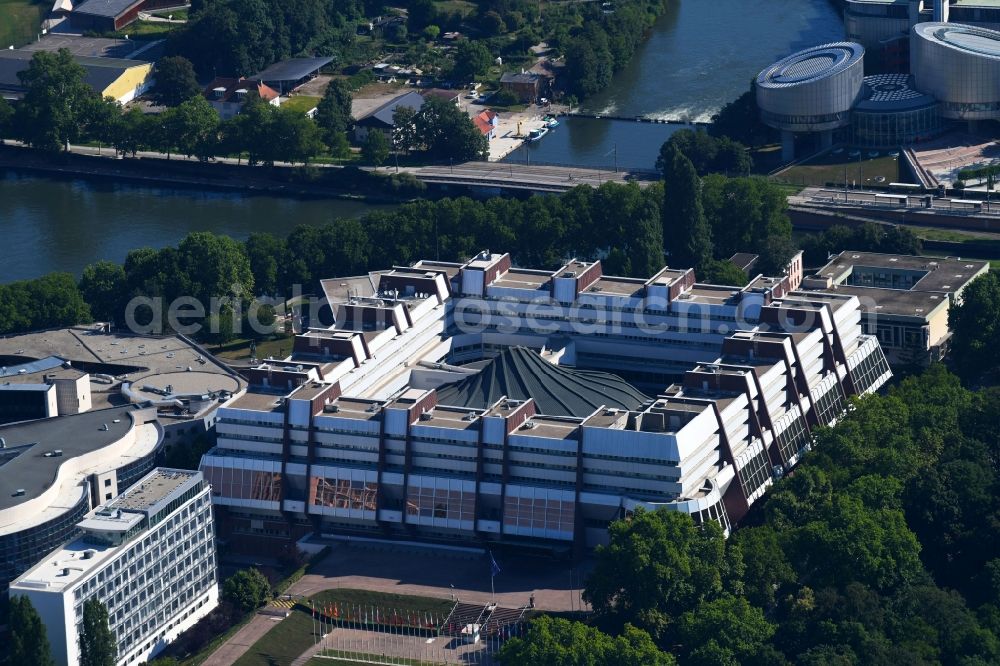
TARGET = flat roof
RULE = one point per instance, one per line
(108, 8)
(156, 362)
(74, 435)
(522, 278)
(292, 69)
(152, 489)
(259, 401)
(617, 285)
(899, 302)
(939, 274)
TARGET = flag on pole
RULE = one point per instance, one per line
(494, 567)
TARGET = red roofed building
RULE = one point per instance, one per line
(486, 121)
(227, 95)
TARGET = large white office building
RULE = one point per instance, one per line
(482, 402)
(148, 556)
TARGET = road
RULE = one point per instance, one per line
(476, 174)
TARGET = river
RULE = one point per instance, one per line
(57, 224)
(699, 55)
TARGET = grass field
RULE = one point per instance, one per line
(303, 103)
(20, 21)
(293, 635)
(239, 350)
(830, 168)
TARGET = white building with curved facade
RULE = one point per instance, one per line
(810, 91)
(56, 470)
(960, 66)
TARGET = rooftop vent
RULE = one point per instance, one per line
(20, 492)
(426, 416)
(331, 409)
(528, 425)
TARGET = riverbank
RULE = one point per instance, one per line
(349, 183)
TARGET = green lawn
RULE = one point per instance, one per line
(20, 21)
(177, 14)
(146, 30)
(302, 103)
(282, 644)
(293, 635)
(402, 602)
(239, 350)
(463, 7)
(830, 168)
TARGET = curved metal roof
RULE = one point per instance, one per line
(966, 38)
(812, 64)
(519, 373)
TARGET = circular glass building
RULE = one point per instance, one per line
(893, 113)
(959, 65)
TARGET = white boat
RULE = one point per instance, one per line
(536, 134)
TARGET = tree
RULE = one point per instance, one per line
(449, 133)
(51, 114)
(194, 126)
(333, 113)
(97, 644)
(103, 287)
(740, 120)
(472, 60)
(6, 120)
(247, 588)
(215, 266)
(687, 236)
(656, 566)
(176, 81)
(292, 137)
(265, 252)
(724, 631)
(975, 323)
(135, 132)
(29, 643)
(404, 128)
(560, 642)
(420, 14)
(375, 149)
(722, 271)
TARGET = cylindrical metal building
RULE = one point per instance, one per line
(960, 66)
(812, 90)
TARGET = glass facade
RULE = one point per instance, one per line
(22, 550)
(890, 129)
(238, 483)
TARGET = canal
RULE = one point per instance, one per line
(57, 224)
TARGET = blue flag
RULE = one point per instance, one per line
(494, 567)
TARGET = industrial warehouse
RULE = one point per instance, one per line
(480, 401)
(821, 93)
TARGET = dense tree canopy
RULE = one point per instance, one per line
(879, 549)
(976, 325)
(54, 109)
(558, 642)
(247, 588)
(176, 81)
(46, 302)
(708, 153)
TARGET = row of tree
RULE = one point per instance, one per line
(59, 108)
(622, 224)
(881, 548)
